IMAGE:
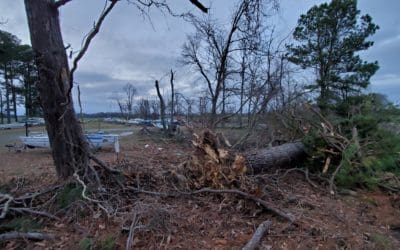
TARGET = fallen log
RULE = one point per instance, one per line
(285, 155)
(28, 235)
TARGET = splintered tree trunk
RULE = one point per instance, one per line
(284, 155)
(212, 157)
(70, 149)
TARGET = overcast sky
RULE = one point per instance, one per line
(130, 48)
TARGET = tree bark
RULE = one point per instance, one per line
(70, 149)
(1, 107)
(171, 123)
(14, 98)
(162, 107)
(7, 87)
(287, 154)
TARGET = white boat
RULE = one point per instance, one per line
(36, 140)
(12, 125)
(96, 140)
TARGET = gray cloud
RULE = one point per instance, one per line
(130, 48)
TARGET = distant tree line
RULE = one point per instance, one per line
(18, 79)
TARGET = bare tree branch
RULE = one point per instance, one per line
(60, 3)
(31, 236)
(255, 241)
(199, 5)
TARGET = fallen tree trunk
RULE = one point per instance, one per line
(284, 155)
(212, 164)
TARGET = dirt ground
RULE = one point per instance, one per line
(361, 220)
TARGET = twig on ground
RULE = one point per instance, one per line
(138, 190)
(132, 229)
(5, 208)
(29, 235)
(103, 165)
(88, 198)
(33, 195)
(388, 188)
(266, 205)
(35, 212)
(255, 241)
(332, 187)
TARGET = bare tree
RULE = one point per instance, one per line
(213, 51)
(69, 146)
(162, 106)
(171, 123)
(155, 109)
(1, 107)
(128, 103)
(143, 108)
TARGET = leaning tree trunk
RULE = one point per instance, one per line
(69, 147)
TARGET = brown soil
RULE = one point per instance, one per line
(366, 220)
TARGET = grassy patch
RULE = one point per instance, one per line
(86, 244)
(20, 224)
(381, 242)
(108, 243)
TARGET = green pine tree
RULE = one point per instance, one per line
(329, 38)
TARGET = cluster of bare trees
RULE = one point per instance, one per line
(130, 105)
(243, 65)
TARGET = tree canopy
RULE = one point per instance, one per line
(329, 38)
(19, 76)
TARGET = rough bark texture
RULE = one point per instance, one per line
(162, 107)
(7, 87)
(14, 99)
(1, 108)
(284, 155)
(69, 147)
(170, 127)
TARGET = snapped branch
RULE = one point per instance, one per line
(60, 3)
